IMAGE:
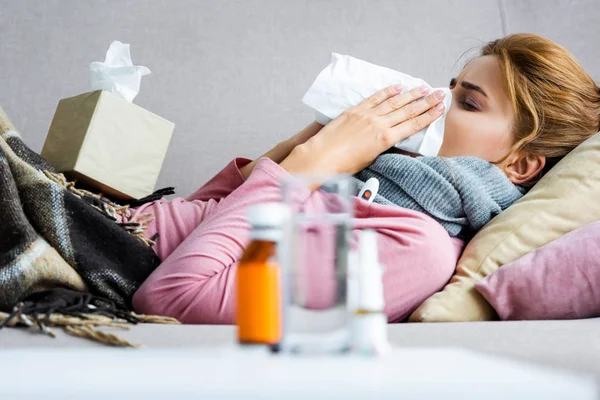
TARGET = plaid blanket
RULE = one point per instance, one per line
(56, 240)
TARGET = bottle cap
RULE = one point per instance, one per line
(268, 215)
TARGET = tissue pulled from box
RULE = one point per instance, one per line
(117, 74)
(347, 81)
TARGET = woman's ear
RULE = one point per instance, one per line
(522, 167)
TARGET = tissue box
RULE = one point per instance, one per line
(112, 145)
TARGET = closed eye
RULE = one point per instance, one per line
(469, 105)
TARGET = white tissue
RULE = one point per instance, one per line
(117, 74)
(347, 81)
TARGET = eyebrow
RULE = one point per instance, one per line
(469, 86)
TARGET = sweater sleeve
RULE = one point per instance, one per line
(196, 282)
(222, 184)
(173, 220)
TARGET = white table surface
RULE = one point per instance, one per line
(230, 372)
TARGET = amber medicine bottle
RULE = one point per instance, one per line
(259, 308)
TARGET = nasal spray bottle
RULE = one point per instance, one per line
(369, 322)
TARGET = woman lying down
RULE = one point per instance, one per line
(517, 109)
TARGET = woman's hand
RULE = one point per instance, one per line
(354, 139)
(283, 149)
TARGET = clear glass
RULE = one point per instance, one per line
(314, 261)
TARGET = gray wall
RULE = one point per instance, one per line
(231, 73)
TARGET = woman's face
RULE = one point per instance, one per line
(481, 117)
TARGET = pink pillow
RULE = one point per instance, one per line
(560, 280)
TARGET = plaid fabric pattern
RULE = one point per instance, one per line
(50, 238)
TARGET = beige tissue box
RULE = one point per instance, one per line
(108, 143)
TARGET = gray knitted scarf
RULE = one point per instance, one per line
(461, 193)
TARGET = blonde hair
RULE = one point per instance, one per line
(556, 103)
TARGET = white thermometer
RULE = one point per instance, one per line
(369, 190)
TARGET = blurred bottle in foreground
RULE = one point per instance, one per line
(259, 314)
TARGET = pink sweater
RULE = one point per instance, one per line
(203, 237)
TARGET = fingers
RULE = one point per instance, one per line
(414, 109)
(379, 97)
(414, 125)
(394, 103)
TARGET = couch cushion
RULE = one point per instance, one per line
(565, 199)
